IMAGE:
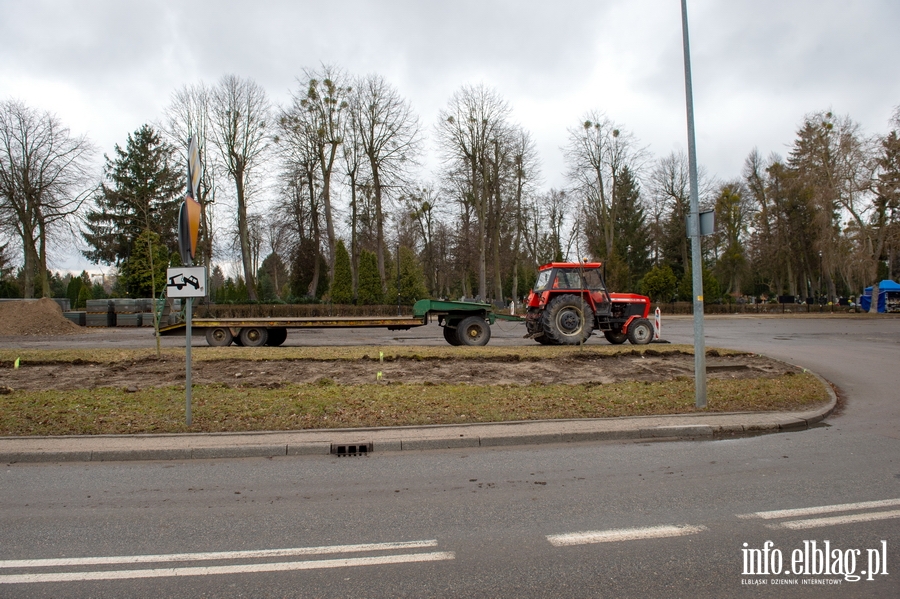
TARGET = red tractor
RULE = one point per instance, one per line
(569, 301)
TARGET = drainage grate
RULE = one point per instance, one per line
(357, 449)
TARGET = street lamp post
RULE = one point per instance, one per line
(694, 224)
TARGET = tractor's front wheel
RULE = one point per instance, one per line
(641, 332)
(568, 320)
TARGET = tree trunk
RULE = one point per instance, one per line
(873, 308)
(354, 249)
(42, 259)
(29, 267)
(329, 217)
(379, 225)
(244, 238)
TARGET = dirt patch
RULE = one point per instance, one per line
(35, 317)
(590, 368)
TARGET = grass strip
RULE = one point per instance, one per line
(218, 408)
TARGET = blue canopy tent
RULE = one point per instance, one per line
(888, 297)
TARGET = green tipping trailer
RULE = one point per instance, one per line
(463, 323)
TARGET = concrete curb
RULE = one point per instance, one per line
(320, 442)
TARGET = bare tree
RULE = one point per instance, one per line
(301, 204)
(469, 130)
(388, 131)
(526, 173)
(556, 242)
(597, 153)
(421, 207)
(315, 122)
(354, 162)
(670, 205)
(43, 182)
(836, 165)
(239, 114)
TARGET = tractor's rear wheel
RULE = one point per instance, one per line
(219, 337)
(615, 337)
(545, 340)
(473, 330)
(640, 332)
(568, 320)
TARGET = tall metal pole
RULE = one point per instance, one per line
(694, 224)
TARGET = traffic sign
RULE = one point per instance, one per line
(186, 281)
(189, 215)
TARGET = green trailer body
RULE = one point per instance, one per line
(463, 323)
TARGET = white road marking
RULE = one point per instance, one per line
(216, 555)
(824, 509)
(836, 520)
(623, 534)
(236, 569)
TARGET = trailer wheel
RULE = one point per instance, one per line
(568, 320)
(254, 336)
(450, 335)
(473, 330)
(640, 332)
(615, 337)
(219, 337)
(277, 336)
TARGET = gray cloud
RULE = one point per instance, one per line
(108, 66)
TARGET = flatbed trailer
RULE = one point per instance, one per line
(463, 323)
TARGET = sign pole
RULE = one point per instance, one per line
(186, 283)
(188, 228)
(187, 351)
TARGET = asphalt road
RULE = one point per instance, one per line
(664, 519)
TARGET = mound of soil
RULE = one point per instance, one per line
(35, 317)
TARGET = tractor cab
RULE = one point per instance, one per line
(584, 278)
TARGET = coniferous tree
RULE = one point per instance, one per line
(632, 241)
(659, 283)
(145, 270)
(271, 278)
(342, 285)
(411, 281)
(142, 192)
(369, 292)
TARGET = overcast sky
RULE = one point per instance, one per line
(106, 67)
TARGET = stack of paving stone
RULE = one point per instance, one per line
(79, 317)
(146, 306)
(128, 312)
(100, 313)
(173, 312)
